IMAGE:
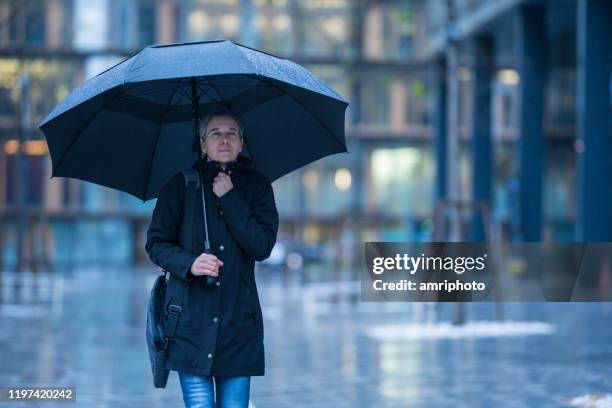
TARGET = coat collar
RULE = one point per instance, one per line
(242, 163)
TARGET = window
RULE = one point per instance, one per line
(274, 24)
(26, 22)
(325, 27)
(375, 98)
(401, 181)
(327, 187)
(389, 30)
(208, 19)
(146, 22)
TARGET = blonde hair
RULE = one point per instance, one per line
(204, 123)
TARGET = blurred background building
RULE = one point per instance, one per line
(503, 102)
(498, 105)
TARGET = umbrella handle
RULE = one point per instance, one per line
(210, 280)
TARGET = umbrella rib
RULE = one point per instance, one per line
(203, 92)
(137, 84)
(221, 100)
(246, 141)
(159, 126)
(183, 94)
(126, 96)
(243, 86)
(77, 135)
(170, 106)
(177, 104)
(263, 78)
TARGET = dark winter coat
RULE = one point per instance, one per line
(220, 331)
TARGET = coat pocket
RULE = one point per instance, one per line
(192, 316)
(246, 320)
(244, 328)
(251, 305)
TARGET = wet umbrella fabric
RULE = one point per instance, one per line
(130, 128)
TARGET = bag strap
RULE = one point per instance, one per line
(191, 176)
(192, 182)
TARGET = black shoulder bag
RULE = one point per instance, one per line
(161, 325)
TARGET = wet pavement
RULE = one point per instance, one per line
(324, 348)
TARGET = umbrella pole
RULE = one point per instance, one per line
(210, 280)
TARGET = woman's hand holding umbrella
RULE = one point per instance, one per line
(206, 264)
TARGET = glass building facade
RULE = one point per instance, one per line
(378, 55)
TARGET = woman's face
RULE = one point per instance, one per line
(222, 142)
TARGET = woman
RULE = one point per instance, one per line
(218, 344)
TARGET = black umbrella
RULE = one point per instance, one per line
(135, 125)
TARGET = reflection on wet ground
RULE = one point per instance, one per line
(324, 348)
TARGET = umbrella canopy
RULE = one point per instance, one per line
(130, 128)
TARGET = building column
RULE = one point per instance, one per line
(5, 12)
(53, 189)
(439, 109)
(593, 120)
(356, 167)
(482, 168)
(54, 20)
(248, 33)
(3, 180)
(165, 22)
(532, 70)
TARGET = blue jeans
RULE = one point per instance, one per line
(231, 392)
